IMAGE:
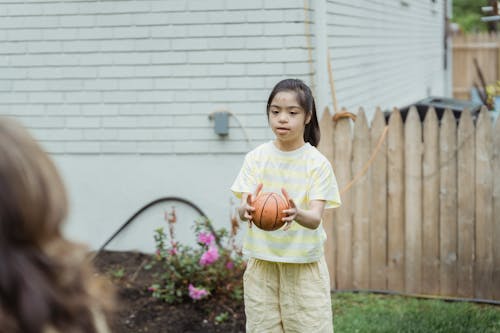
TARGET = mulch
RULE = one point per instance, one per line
(137, 311)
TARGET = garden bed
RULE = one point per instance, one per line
(138, 311)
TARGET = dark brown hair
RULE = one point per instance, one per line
(45, 280)
(306, 101)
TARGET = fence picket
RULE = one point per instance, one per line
(361, 215)
(413, 202)
(448, 204)
(484, 210)
(496, 211)
(326, 147)
(378, 210)
(395, 203)
(466, 205)
(430, 205)
(343, 215)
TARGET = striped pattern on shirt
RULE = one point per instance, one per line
(306, 175)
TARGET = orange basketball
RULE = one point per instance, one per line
(269, 211)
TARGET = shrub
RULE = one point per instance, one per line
(215, 267)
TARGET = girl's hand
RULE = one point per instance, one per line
(310, 218)
(246, 209)
(291, 212)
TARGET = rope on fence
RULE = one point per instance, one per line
(345, 114)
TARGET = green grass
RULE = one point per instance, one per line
(362, 312)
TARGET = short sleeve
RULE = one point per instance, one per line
(245, 182)
(324, 186)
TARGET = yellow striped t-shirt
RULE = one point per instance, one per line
(307, 175)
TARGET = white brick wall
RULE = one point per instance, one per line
(149, 65)
(132, 77)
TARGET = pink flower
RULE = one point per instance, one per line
(210, 256)
(197, 293)
(230, 265)
(206, 238)
(173, 251)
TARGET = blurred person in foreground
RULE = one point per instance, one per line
(47, 284)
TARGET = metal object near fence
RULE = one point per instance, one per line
(440, 104)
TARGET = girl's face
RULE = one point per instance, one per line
(288, 120)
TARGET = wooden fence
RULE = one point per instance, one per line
(425, 216)
(483, 47)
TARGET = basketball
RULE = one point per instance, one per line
(268, 212)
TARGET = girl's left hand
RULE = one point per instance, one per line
(291, 212)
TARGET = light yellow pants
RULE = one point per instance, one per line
(283, 297)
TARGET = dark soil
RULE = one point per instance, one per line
(137, 311)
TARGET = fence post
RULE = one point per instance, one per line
(361, 197)
(496, 211)
(413, 202)
(343, 215)
(326, 146)
(466, 205)
(448, 204)
(395, 202)
(484, 212)
(378, 211)
(430, 205)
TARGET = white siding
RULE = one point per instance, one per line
(141, 77)
(385, 53)
(106, 190)
(120, 91)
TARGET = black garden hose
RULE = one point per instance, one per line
(152, 203)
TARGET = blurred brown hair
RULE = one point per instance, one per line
(46, 282)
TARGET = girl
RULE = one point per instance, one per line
(286, 283)
(46, 285)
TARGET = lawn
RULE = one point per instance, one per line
(362, 312)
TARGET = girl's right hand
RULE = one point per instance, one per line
(246, 209)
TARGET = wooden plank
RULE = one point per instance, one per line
(361, 192)
(498, 57)
(343, 215)
(378, 210)
(483, 48)
(464, 90)
(484, 207)
(496, 211)
(430, 205)
(448, 204)
(476, 46)
(325, 146)
(466, 205)
(413, 202)
(378, 204)
(395, 202)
